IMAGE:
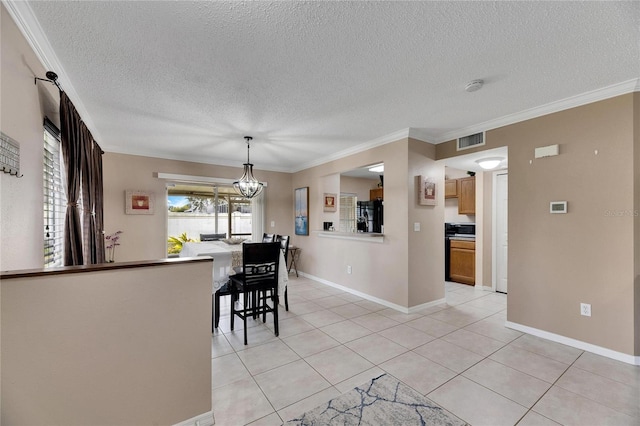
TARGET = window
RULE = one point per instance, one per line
(55, 199)
(198, 209)
(347, 212)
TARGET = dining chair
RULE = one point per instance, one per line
(284, 245)
(268, 238)
(260, 263)
(221, 285)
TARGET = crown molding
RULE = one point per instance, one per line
(422, 135)
(611, 91)
(383, 140)
(27, 23)
(189, 158)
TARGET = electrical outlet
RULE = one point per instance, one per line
(349, 270)
(585, 309)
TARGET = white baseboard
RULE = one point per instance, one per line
(598, 350)
(366, 296)
(205, 419)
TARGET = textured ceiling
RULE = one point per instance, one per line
(312, 80)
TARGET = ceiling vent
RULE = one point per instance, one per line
(470, 141)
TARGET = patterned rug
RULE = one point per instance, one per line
(384, 401)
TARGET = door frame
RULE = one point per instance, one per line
(494, 227)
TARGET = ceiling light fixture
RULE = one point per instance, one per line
(247, 185)
(378, 168)
(489, 162)
(474, 85)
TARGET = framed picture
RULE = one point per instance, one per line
(330, 202)
(302, 210)
(139, 202)
(427, 194)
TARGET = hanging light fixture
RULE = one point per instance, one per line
(247, 185)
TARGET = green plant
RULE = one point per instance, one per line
(175, 243)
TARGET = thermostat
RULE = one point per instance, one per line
(558, 207)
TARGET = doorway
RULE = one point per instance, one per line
(500, 230)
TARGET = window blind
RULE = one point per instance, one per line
(55, 200)
(347, 213)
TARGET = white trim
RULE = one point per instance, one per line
(426, 305)
(27, 23)
(598, 350)
(611, 91)
(366, 296)
(196, 179)
(205, 419)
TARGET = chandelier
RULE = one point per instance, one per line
(247, 185)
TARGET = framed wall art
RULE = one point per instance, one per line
(427, 192)
(330, 202)
(302, 210)
(139, 202)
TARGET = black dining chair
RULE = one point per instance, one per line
(220, 275)
(259, 278)
(284, 245)
(268, 238)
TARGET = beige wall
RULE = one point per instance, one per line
(558, 261)
(391, 270)
(126, 346)
(144, 236)
(426, 247)
(23, 106)
(358, 186)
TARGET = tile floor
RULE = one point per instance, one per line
(459, 354)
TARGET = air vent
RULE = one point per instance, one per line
(470, 141)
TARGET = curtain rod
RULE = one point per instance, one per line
(52, 77)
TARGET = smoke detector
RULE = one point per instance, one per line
(473, 85)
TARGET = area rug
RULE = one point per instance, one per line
(383, 401)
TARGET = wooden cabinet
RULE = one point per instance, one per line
(467, 195)
(462, 262)
(376, 193)
(451, 188)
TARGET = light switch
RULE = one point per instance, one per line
(416, 227)
(273, 223)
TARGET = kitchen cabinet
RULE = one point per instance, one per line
(376, 193)
(462, 262)
(451, 188)
(467, 195)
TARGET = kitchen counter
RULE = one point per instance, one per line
(463, 238)
(371, 237)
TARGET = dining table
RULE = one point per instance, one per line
(228, 256)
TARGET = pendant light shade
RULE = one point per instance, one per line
(248, 186)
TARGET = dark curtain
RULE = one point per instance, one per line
(93, 241)
(83, 177)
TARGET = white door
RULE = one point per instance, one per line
(501, 231)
